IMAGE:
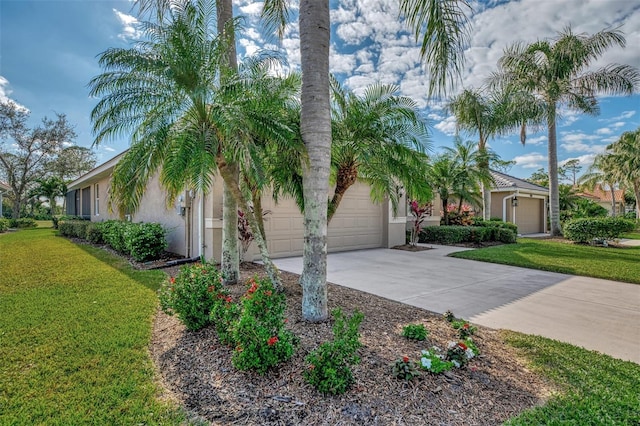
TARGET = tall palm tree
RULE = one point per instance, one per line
(442, 26)
(625, 153)
(190, 113)
(230, 262)
(603, 171)
(448, 179)
(555, 73)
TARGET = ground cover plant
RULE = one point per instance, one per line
(595, 389)
(75, 328)
(612, 263)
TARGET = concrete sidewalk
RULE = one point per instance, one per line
(597, 314)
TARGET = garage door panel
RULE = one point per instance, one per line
(529, 215)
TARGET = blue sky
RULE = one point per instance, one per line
(48, 54)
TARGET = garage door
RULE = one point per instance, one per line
(357, 224)
(529, 215)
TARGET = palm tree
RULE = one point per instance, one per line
(50, 188)
(555, 73)
(625, 153)
(442, 25)
(474, 166)
(190, 113)
(603, 171)
(447, 178)
(230, 262)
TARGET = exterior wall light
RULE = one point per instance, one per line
(514, 201)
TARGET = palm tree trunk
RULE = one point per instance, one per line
(613, 201)
(256, 199)
(554, 195)
(486, 201)
(486, 189)
(230, 262)
(315, 127)
(346, 178)
(231, 180)
(445, 213)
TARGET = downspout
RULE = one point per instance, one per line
(201, 242)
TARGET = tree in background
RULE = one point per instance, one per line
(626, 161)
(603, 172)
(571, 168)
(555, 73)
(25, 152)
(50, 188)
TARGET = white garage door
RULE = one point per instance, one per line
(529, 215)
(357, 224)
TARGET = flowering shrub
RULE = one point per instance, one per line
(224, 315)
(434, 362)
(189, 295)
(405, 369)
(459, 353)
(330, 364)
(415, 332)
(449, 316)
(464, 328)
(259, 335)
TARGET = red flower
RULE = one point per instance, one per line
(268, 292)
(228, 299)
(172, 280)
(253, 288)
(286, 320)
(272, 341)
(210, 289)
(405, 359)
(463, 346)
(466, 325)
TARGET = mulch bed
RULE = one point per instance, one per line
(195, 371)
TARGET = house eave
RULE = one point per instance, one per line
(103, 170)
(521, 191)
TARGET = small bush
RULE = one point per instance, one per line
(464, 328)
(113, 234)
(415, 332)
(260, 336)
(506, 236)
(73, 228)
(589, 229)
(330, 364)
(445, 234)
(189, 295)
(94, 233)
(4, 225)
(22, 223)
(144, 241)
(404, 369)
(57, 219)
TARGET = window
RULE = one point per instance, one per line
(97, 206)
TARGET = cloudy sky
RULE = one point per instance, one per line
(49, 48)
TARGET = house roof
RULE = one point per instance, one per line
(504, 182)
(603, 195)
(97, 173)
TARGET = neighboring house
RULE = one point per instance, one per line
(194, 223)
(520, 202)
(603, 197)
(4, 188)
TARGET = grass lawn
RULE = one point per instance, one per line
(618, 264)
(596, 389)
(632, 236)
(75, 325)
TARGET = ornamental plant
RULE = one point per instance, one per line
(405, 369)
(260, 336)
(224, 314)
(189, 295)
(420, 213)
(459, 353)
(434, 362)
(465, 329)
(415, 332)
(330, 364)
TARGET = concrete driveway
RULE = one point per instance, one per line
(597, 314)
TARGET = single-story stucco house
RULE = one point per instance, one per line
(518, 201)
(194, 223)
(603, 196)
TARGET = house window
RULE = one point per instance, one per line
(97, 206)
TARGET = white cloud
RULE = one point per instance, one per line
(108, 149)
(252, 9)
(539, 140)
(533, 160)
(604, 131)
(5, 92)
(130, 26)
(448, 126)
(624, 116)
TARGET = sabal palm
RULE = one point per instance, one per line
(189, 112)
(625, 158)
(556, 73)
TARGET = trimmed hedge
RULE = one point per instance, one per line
(4, 225)
(587, 230)
(482, 232)
(23, 222)
(141, 241)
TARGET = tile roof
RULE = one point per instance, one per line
(506, 182)
(603, 194)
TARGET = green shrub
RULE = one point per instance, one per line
(94, 233)
(445, 234)
(260, 335)
(22, 223)
(496, 224)
(505, 235)
(224, 314)
(404, 369)
(587, 230)
(415, 331)
(481, 231)
(4, 225)
(73, 228)
(189, 295)
(113, 234)
(330, 364)
(144, 241)
(61, 218)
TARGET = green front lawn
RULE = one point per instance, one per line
(618, 264)
(595, 389)
(632, 236)
(74, 336)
